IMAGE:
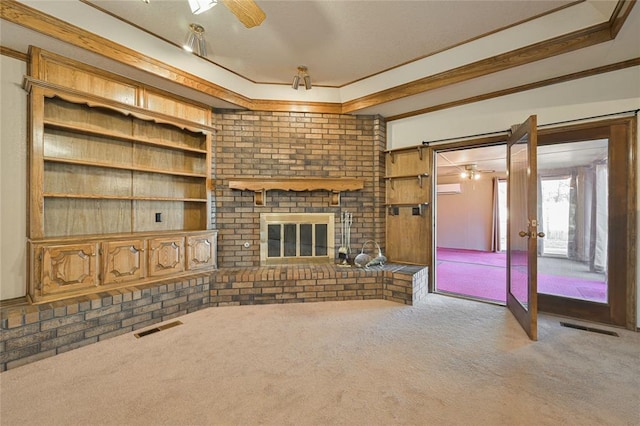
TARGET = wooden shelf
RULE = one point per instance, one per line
(123, 167)
(411, 176)
(261, 185)
(121, 197)
(119, 136)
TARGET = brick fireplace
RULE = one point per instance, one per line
(259, 144)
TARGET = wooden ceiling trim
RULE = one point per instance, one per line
(25, 16)
(5, 51)
(556, 46)
(293, 106)
(619, 15)
(35, 20)
(555, 80)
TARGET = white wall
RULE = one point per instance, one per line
(597, 95)
(465, 219)
(13, 178)
(587, 97)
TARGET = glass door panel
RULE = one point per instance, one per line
(573, 186)
(522, 225)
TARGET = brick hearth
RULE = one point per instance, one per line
(34, 332)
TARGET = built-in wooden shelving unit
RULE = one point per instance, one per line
(119, 182)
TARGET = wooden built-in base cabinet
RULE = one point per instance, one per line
(70, 267)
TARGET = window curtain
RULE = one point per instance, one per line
(495, 222)
(542, 225)
(601, 219)
(588, 216)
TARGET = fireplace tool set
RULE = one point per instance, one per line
(346, 220)
(363, 259)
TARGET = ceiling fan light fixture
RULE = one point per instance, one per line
(200, 6)
(302, 74)
(470, 172)
(194, 41)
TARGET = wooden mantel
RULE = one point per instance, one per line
(261, 185)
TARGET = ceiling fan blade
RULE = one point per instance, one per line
(247, 11)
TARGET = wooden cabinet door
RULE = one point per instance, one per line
(123, 261)
(201, 251)
(66, 268)
(167, 256)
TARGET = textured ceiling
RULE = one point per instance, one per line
(340, 41)
(354, 49)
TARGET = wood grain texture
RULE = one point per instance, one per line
(72, 266)
(247, 12)
(297, 184)
(123, 261)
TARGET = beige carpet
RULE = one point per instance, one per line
(445, 361)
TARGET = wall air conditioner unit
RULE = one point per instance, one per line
(448, 188)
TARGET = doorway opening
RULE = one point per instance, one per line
(585, 190)
(471, 224)
(470, 231)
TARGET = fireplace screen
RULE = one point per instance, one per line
(296, 238)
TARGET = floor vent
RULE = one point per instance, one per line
(594, 330)
(156, 329)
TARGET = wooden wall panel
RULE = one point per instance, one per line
(407, 237)
(86, 80)
(176, 108)
(79, 180)
(408, 191)
(77, 216)
(407, 162)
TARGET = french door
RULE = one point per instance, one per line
(601, 229)
(522, 226)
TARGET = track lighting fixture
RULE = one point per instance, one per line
(194, 42)
(199, 6)
(302, 74)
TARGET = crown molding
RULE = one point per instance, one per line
(523, 88)
(20, 14)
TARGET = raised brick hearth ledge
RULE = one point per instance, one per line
(33, 332)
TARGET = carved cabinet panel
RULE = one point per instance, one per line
(69, 267)
(123, 261)
(201, 251)
(167, 256)
(66, 268)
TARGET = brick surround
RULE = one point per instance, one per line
(258, 144)
(33, 332)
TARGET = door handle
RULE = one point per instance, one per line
(529, 234)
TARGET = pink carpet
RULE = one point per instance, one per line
(483, 275)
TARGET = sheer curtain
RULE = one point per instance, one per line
(601, 233)
(588, 216)
(495, 222)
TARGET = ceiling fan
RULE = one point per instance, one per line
(247, 11)
(471, 172)
(466, 171)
